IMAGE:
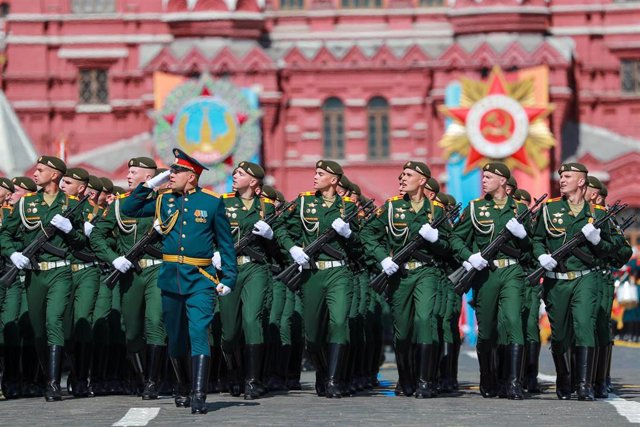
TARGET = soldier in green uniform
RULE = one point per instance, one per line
(571, 288)
(496, 291)
(140, 297)
(326, 292)
(48, 283)
(9, 299)
(193, 222)
(413, 287)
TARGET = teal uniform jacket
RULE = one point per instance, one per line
(193, 223)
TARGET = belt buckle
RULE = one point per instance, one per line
(75, 267)
(571, 275)
(43, 266)
(411, 265)
(180, 259)
(321, 265)
(502, 263)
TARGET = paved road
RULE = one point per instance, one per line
(379, 407)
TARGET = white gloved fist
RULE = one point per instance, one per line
(88, 228)
(547, 262)
(341, 227)
(298, 255)
(122, 264)
(467, 265)
(61, 223)
(429, 233)
(222, 290)
(477, 261)
(216, 260)
(388, 266)
(159, 179)
(263, 229)
(516, 228)
(20, 260)
(591, 233)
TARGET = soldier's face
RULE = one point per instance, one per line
(323, 179)
(429, 194)
(571, 181)
(491, 182)
(71, 187)
(138, 175)
(17, 195)
(5, 195)
(242, 180)
(178, 179)
(600, 200)
(411, 181)
(509, 190)
(342, 192)
(102, 199)
(591, 195)
(43, 175)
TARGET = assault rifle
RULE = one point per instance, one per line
(573, 244)
(32, 250)
(135, 254)
(462, 279)
(379, 283)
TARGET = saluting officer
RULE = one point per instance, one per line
(193, 222)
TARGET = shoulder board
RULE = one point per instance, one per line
(602, 208)
(267, 200)
(555, 199)
(478, 199)
(347, 199)
(308, 193)
(394, 198)
(165, 191)
(209, 192)
(228, 195)
(72, 197)
(438, 204)
(122, 196)
(29, 194)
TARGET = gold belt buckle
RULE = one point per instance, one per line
(43, 266)
(571, 275)
(411, 265)
(75, 267)
(321, 265)
(502, 263)
(181, 259)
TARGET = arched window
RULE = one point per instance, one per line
(333, 128)
(378, 128)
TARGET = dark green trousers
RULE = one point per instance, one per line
(291, 319)
(453, 303)
(79, 312)
(606, 291)
(278, 302)
(10, 305)
(48, 294)
(530, 313)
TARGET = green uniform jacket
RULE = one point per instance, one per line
(623, 251)
(88, 212)
(32, 213)
(556, 225)
(396, 223)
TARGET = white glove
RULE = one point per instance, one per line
(547, 262)
(216, 260)
(20, 260)
(156, 226)
(61, 223)
(222, 290)
(429, 233)
(591, 233)
(467, 265)
(263, 229)
(158, 180)
(298, 255)
(341, 227)
(122, 264)
(388, 266)
(88, 228)
(516, 228)
(477, 261)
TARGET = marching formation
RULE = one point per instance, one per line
(171, 288)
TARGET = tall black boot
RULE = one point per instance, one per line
(584, 366)
(253, 387)
(138, 370)
(182, 371)
(200, 378)
(446, 367)
(279, 367)
(214, 370)
(31, 372)
(11, 374)
(514, 362)
(53, 392)
(426, 387)
(336, 356)
(83, 363)
(115, 363)
(406, 384)
(234, 372)
(294, 369)
(501, 367)
(320, 363)
(600, 389)
(487, 373)
(562, 361)
(531, 370)
(454, 365)
(99, 370)
(609, 355)
(154, 359)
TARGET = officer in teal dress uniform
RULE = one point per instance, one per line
(193, 222)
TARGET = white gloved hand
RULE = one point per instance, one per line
(516, 228)
(122, 264)
(547, 262)
(216, 260)
(388, 266)
(156, 226)
(158, 180)
(20, 260)
(429, 233)
(88, 228)
(298, 255)
(222, 290)
(467, 265)
(477, 261)
(263, 229)
(341, 227)
(61, 223)
(591, 233)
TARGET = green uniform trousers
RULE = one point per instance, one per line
(278, 301)
(530, 313)
(10, 305)
(79, 312)
(48, 294)
(142, 309)
(498, 297)
(453, 304)
(572, 308)
(606, 291)
(243, 309)
(291, 319)
(326, 301)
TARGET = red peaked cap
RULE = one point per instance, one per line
(183, 160)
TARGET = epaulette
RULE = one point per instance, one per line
(29, 194)
(555, 199)
(211, 193)
(438, 204)
(165, 191)
(122, 196)
(347, 199)
(602, 208)
(308, 193)
(228, 195)
(268, 200)
(72, 197)
(394, 198)
(478, 199)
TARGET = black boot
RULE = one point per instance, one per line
(609, 354)
(584, 366)
(600, 388)
(31, 372)
(336, 356)
(279, 364)
(214, 370)
(182, 371)
(11, 374)
(487, 373)
(514, 362)
(154, 359)
(199, 381)
(446, 368)
(405, 385)
(319, 362)
(501, 368)
(253, 387)
(294, 368)
(531, 370)
(234, 372)
(454, 365)
(562, 362)
(83, 363)
(53, 392)
(138, 370)
(426, 387)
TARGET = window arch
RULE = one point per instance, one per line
(378, 127)
(333, 128)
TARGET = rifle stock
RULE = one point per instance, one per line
(134, 255)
